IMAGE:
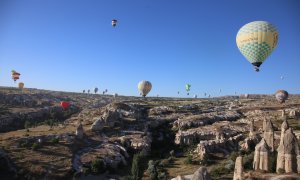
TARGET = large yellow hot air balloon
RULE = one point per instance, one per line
(281, 96)
(144, 87)
(21, 85)
(256, 41)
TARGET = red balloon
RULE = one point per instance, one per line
(64, 105)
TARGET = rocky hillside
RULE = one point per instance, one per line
(101, 136)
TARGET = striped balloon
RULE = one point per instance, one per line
(144, 87)
(256, 41)
(281, 95)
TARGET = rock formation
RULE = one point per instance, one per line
(251, 131)
(201, 174)
(223, 146)
(269, 133)
(109, 118)
(79, 131)
(288, 158)
(238, 170)
(261, 156)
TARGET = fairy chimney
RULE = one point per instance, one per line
(261, 156)
(238, 170)
(269, 134)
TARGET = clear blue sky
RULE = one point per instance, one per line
(70, 45)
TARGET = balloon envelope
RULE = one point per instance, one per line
(144, 87)
(64, 105)
(114, 22)
(187, 87)
(256, 41)
(281, 96)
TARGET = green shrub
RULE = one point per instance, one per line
(164, 162)
(233, 156)
(97, 166)
(86, 170)
(229, 164)
(219, 171)
(248, 161)
(136, 170)
(188, 160)
(273, 161)
(35, 146)
(55, 140)
(281, 171)
(27, 124)
(127, 178)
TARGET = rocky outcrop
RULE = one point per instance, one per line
(219, 130)
(108, 119)
(261, 156)
(79, 131)
(288, 158)
(205, 119)
(18, 117)
(238, 169)
(111, 155)
(223, 146)
(138, 142)
(201, 174)
(268, 133)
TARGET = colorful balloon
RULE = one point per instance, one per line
(65, 105)
(144, 87)
(256, 41)
(281, 96)
(15, 75)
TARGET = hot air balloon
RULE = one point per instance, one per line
(220, 90)
(281, 96)
(106, 90)
(21, 85)
(256, 41)
(144, 87)
(114, 22)
(178, 92)
(83, 91)
(96, 90)
(15, 75)
(281, 77)
(115, 95)
(187, 88)
(65, 105)
(195, 96)
(88, 91)
(204, 94)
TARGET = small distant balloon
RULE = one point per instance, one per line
(114, 22)
(115, 95)
(144, 87)
(178, 92)
(65, 105)
(195, 96)
(281, 96)
(204, 94)
(83, 91)
(15, 75)
(88, 91)
(281, 77)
